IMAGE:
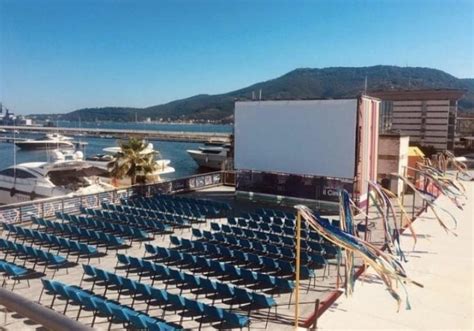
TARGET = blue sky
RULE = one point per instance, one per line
(58, 56)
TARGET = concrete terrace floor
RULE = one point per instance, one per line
(282, 321)
(442, 262)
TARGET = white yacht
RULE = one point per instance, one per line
(212, 155)
(103, 161)
(49, 141)
(67, 174)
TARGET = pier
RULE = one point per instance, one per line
(182, 136)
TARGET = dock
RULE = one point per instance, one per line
(180, 136)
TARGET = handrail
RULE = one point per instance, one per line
(48, 318)
(20, 212)
(124, 188)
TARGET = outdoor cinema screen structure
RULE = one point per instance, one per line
(303, 137)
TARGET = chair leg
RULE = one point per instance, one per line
(41, 294)
(93, 319)
(268, 316)
(78, 313)
(65, 307)
(52, 302)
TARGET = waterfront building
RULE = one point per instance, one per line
(427, 116)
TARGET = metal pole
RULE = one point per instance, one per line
(413, 199)
(298, 258)
(367, 212)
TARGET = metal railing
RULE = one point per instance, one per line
(22, 212)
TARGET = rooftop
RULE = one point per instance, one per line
(442, 262)
(280, 317)
(422, 94)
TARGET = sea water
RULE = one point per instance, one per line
(174, 151)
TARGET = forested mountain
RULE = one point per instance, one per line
(304, 83)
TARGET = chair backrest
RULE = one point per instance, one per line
(129, 284)
(144, 289)
(89, 270)
(194, 306)
(159, 295)
(176, 300)
(214, 312)
(151, 249)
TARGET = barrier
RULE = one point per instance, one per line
(45, 208)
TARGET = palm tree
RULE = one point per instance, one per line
(132, 162)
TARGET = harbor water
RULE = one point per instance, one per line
(174, 151)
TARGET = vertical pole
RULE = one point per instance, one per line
(413, 199)
(298, 258)
(367, 212)
(316, 313)
(405, 174)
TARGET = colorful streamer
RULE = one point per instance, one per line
(385, 265)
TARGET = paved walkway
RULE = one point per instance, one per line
(442, 262)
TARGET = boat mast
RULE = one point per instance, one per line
(14, 151)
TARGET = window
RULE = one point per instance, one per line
(10, 172)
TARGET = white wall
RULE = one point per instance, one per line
(307, 137)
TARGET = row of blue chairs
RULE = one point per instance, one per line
(321, 247)
(281, 252)
(192, 201)
(277, 230)
(276, 284)
(290, 222)
(34, 254)
(90, 236)
(92, 223)
(71, 246)
(263, 226)
(275, 213)
(99, 305)
(192, 214)
(142, 223)
(165, 298)
(176, 221)
(272, 220)
(282, 267)
(256, 300)
(11, 270)
(208, 207)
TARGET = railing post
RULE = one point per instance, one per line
(367, 206)
(62, 205)
(413, 198)
(316, 312)
(21, 215)
(298, 257)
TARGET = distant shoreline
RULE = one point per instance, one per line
(151, 122)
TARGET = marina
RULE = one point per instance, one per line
(178, 136)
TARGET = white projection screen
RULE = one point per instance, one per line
(304, 137)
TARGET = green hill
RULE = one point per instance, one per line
(304, 83)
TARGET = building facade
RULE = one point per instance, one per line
(427, 116)
(392, 159)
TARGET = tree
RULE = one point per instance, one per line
(132, 161)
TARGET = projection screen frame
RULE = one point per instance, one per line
(254, 119)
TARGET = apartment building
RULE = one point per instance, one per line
(427, 116)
